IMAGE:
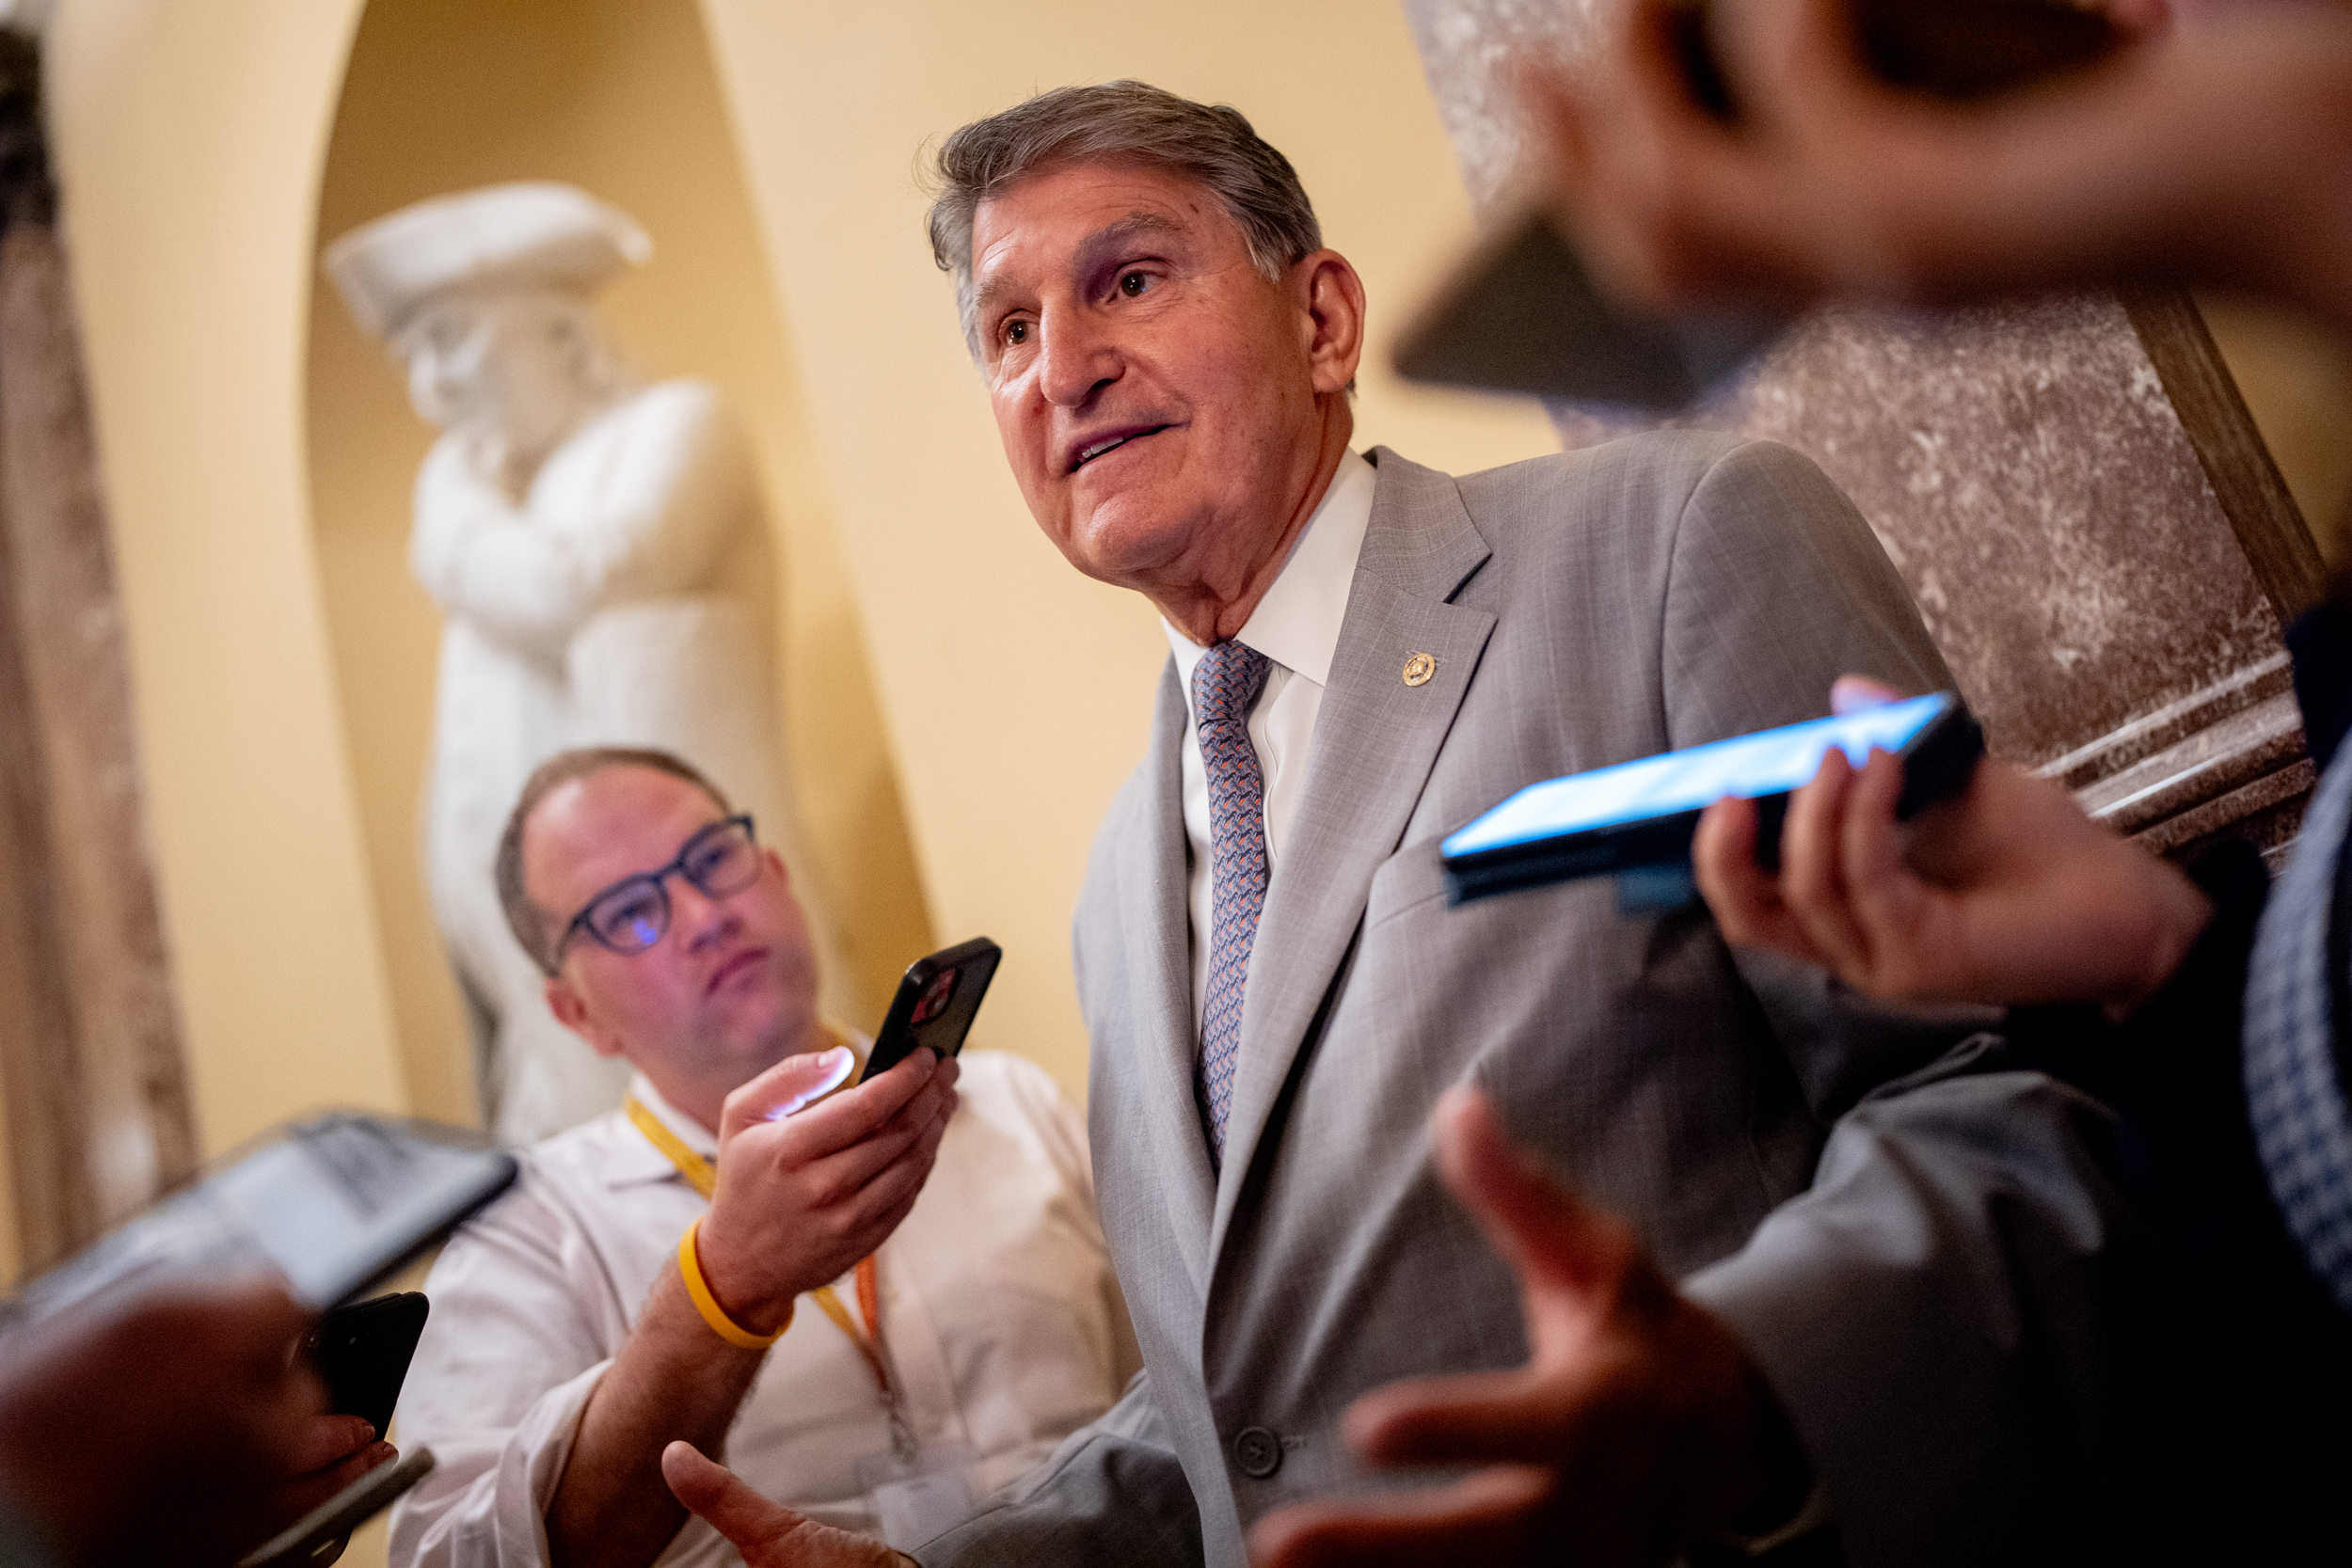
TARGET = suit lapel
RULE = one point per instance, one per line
(1375, 741)
(1152, 877)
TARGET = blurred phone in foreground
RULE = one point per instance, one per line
(937, 1000)
(335, 1202)
(1521, 314)
(1639, 816)
(317, 1537)
(362, 1350)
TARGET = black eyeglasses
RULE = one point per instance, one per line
(631, 914)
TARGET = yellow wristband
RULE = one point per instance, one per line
(691, 1267)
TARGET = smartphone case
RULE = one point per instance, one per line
(936, 1001)
(362, 1352)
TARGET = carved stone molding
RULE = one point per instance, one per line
(2227, 759)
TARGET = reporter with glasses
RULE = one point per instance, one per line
(746, 1255)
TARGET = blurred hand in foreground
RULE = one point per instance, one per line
(2217, 152)
(178, 1424)
(332, 1452)
(2006, 894)
(1637, 1427)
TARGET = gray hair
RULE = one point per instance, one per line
(1126, 122)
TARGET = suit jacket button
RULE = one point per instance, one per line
(1258, 1452)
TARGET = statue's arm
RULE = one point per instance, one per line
(474, 552)
(674, 482)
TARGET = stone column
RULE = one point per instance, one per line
(91, 1072)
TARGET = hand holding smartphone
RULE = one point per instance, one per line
(936, 1002)
(1638, 816)
(362, 1352)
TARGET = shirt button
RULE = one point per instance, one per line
(1258, 1452)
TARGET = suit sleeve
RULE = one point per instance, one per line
(1775, 588)
(1112, 1493)
(1929, 1311)
(2016, 1322)
(1931, 1315)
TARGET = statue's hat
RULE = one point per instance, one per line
(529, 233)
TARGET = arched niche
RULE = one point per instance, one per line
(621, 98)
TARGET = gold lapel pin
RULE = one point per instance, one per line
(1417, 670)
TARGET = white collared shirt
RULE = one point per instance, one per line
(1296, 625)
(1000, 1314)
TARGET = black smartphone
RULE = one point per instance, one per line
(336, 1202)
(319, 1537)
(1519, 313)
(936, 1001)
(362, 1352)
(1639, 816)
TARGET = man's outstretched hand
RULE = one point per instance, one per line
(768, 1535)
(1637, 1426)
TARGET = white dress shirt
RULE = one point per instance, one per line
(1000, 1314)
(1296, 625)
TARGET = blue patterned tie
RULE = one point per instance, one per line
(1224, 683)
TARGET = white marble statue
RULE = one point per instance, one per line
(600, 559)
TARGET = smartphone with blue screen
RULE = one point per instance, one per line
(1638, 816)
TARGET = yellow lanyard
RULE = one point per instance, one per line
(703, 1178)
(700, 1173)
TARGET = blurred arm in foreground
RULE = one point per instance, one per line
(177, 1425)
(2215, 150)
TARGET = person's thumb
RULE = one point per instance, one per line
(1548, 1234)
(752, 1523)
(1858, 693)
(792, 1084)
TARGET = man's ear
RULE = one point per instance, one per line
(571, 1010)
(1333, 299)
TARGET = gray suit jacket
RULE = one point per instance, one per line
(1582, 610)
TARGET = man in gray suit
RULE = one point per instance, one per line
(1366, 653)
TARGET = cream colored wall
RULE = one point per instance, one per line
(188, 139)
(278, 648)
(621, 97)
(1018, 693)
